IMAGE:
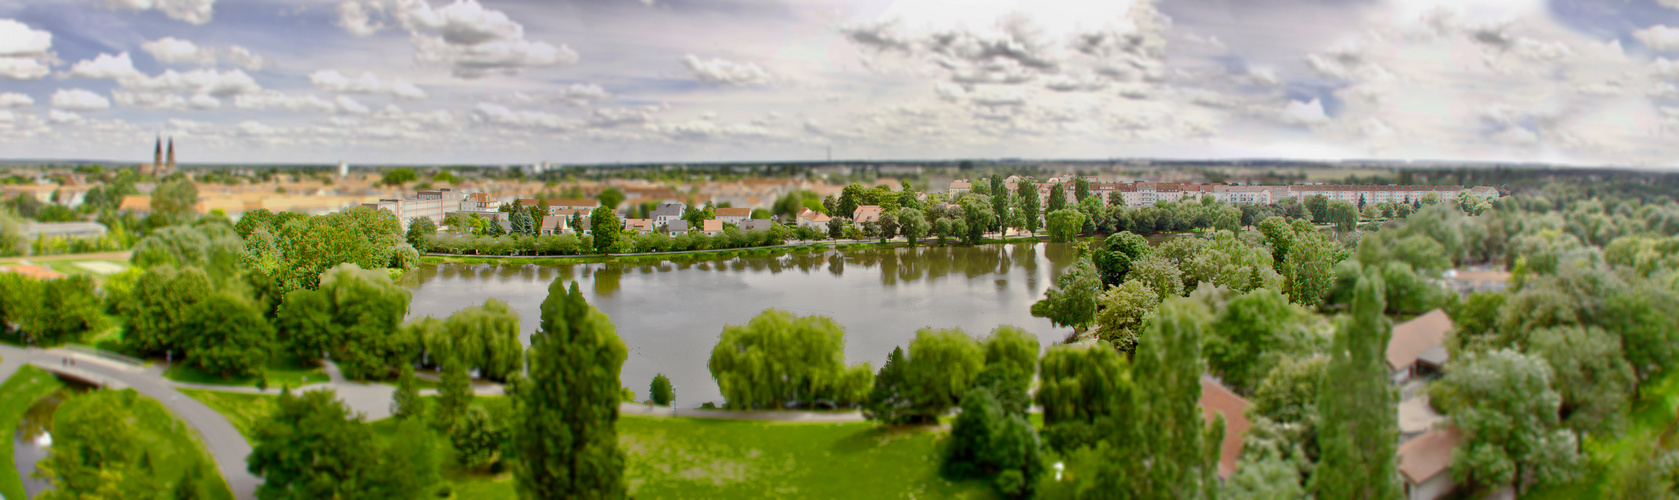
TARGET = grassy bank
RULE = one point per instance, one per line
(283, 370)
(241, 409)
(653, 258)
(17, 394)
(172, 444)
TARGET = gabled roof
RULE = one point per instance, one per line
(867, 213)
(734, 212)
(1412, 338)
(1216, 398)
(813, 216)
(1428, 455)
(712, 225)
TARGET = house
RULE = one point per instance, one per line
(813, 219)
(640, 226)
(1217, 399)
(667, 212)
(757, 225)
(734, 216)
(32, 271)
(711, 227)
(1417, 346)
(1425, 463)
(867, 213)
(959, 187)
(33, 230)
(677, 226)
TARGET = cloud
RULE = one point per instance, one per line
(20, 68)
(163, 100)
(61, 116)
(351, 106)
(175, 50)
(244, 58)
(497, 114)
(333, 81)
(1659, 38)
(725, 72)
(614, 117)
(106, 66)
(203, 81)
(190, 11)
(18, 39)
(79, 100)
(1303, 113)
(356, 17)
(289, 102)
(474, 41)
(13, 100)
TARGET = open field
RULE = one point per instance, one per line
(17, 394)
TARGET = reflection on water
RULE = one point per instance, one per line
(33, 437)
(670, 314)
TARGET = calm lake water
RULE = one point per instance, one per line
(670, 315)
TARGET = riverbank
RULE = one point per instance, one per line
(694, 255)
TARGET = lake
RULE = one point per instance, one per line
(670, 315)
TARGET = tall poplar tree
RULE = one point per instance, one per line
(567, 410)
(1026, 197)
(999, 201)
(1358, 428)
(1173, 433)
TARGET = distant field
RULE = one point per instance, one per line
(16, 395)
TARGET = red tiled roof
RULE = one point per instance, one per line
(734, 212)
(32, 271)
(1428, 455)
(712, 225)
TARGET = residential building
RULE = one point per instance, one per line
(434, 204)
(640, 226)
(676, 227)
(1215, 398)
(814, 219)
(867, 213)
(33, 230)
(711, 227)
(960, 186)
(734, 216)
(757, 225)
(1416, 347)
(1425, 463)
(667, 212)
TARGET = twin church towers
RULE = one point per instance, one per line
(157, 166)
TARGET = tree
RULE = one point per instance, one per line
(988, 441)
(889, 397)
(228, 336)
(96, 452)
(942, 365)
(999, 201)
(913, 224)
(564, 433)
(1073, 300)
(522, 223)
(851, 197)
(1251, 335)
(1318, 206)
(1228, 218)
(483, 337)
(67, 309)
(1355, 405)
(1027, 202)
(351, 316)
(836, 227)
(888, 226)
(406, 402)
(1588, 372)
(605, 226)
(1124, 312)
(1169, 429)
(420, 229)
(454, 395)
(779, 358)
(1159, 274)
(398, 177)
(1085, 392)
(1344, 215)
(159, 306)
(312, 447)
(1310, 266)
(1064, 225)
(477, 439)
(1081, 189)
(661, 391)
(610, 198)
(1057, 198)
(1503, 402)
(177, 199)
(977, 215)
(1113, 260)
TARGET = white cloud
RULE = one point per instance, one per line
(175, 50)
(368, 83)
(202, 81)
(22, 68)
(356, 17)
(299, 102)
(726, 72)
(1303, 113)
(107, 66)
(244, 58)
(79, 100)
(13, 100)
(474, 41)
(18, 39)
(1659, 38)
(496, 114)
(61, 116)
(190, 11)
(351, 105)
(163, 100)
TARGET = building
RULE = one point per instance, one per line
(867, 213)
(667, 212)
(711, 227)
(160, 166)
(640, 226)
(677, 226)
(757, 225)
(814, 219)
(435, 204)
(1425, 463)
(31, 271)
(1417, 346)
(1216, 399)
(960, 186)
(734, 216)
(33, 230)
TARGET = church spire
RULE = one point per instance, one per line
(157, 153)
(171, 153)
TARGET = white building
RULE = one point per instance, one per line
(432, 204)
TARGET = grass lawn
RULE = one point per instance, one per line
(16, 395)
(1652, 419)
(283, 370)
(242, 410)
(172, 444)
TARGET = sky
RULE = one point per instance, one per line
(1583, 82)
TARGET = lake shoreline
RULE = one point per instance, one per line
(656, 257)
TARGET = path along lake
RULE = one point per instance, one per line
(671, 314)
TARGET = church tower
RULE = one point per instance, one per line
(171, 154)
(157, 154)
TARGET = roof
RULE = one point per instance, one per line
(1216, 398)
(573, 202)
(677, 226)
(1412, 338)
(639, 224)
(32, 271)
(867, 213)
(814, 216)
(550, 221)
(712, 225)
(734, 212)
(1428, 455)
(136, 202)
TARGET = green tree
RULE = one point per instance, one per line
(1251, 335)
(352, 316)
(986, 441)
(406, 402)
(779, 358)
(96, 452)
(398, 177)
(1355, 405)
(1057, 198)
(483, 337)
(1159, 274)
(1118, 251)
(605, 226)
(454, 395)
(1318, 206)
(1081, 189)
(999, 201)
(177, 199)
(661, 391)
(1344, 215)
(1310, 266)
(913, 224)
(1124, 312)
(1086, 393)
(227, 335)
(889, 397)
(1228, 218)
(1064, 225)
(312, 446)
(610, 198)
(565, 433)
(1073, 300)
(1503, 402)
(157, 309)
(851, 197)
(1027, 202)
(942, 365)
(977, 214)
(1588, 372)
(522, 223)
(477, 439)
(420, 230)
